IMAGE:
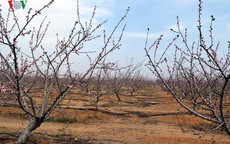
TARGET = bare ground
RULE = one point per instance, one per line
(146, 119)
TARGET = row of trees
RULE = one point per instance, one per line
(198, 78)
(25, 61)
(111, 79)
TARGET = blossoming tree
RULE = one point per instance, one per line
(28, 67)
(196, 76)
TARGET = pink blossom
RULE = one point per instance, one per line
(3, 90)
(213, 105)
(67, 56)
(99, 25)
(21, 70)
(34, 62)
(70, 86)
(17, 74)
(12, 91)
(214, 56)
(15, 42)
(11, 82)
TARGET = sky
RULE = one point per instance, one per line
(157, 15)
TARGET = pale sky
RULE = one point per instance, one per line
(158, 15)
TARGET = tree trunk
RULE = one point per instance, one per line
(195, 106)
(96, 101)
(131, 93)
(227, 128)
(118, 97)
(34, 124)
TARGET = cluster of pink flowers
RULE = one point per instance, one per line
(70, 86)
(25, 66)
(214, 54)
(4, 90)
(206, 100)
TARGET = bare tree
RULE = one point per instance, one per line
(96, 86)
(34, 69)
(119, 77)
(109, 78)
(136, 82)
(196, 75)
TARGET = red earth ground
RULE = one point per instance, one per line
(149, 118)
